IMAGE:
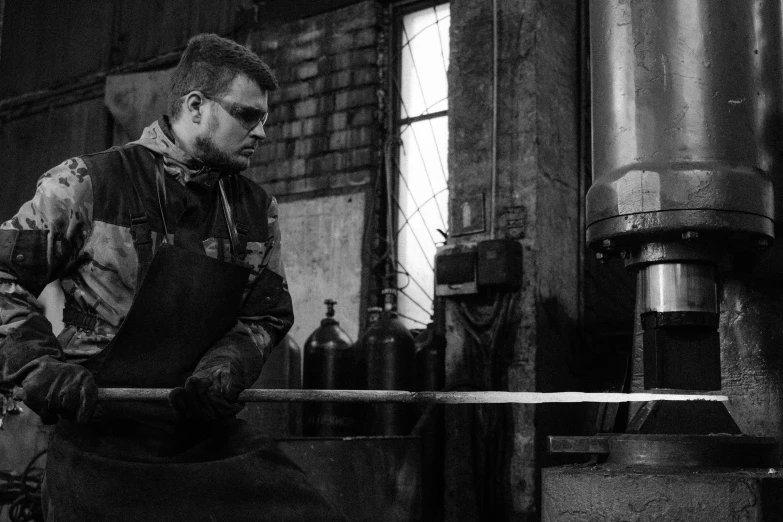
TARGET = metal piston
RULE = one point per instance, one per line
(679, 315)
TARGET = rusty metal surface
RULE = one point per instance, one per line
(639, 494)
(751, 331)
(682, 98)
(713, 451)
(674, 222)
(720, 451)
(681, 418)
(598, 444)
(706, 249)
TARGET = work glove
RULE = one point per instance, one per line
(31, 357)
(54, 389)
(227, 369)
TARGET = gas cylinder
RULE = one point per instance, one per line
(282, 369)
(388, 353)
(360, 367)
(373, 315)
(430, 376)
(328, 365)
(430, 352)
(294, 357)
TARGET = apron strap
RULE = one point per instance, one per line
(140, 228)
(243, 231)
(160, 188)
(237, 248)
(141, 232)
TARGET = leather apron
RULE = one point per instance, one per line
(135, 461)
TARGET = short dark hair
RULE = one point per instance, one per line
(210, 63)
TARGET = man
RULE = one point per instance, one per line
(171, 268)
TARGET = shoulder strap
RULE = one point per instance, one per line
(237, 246)
(140, 223)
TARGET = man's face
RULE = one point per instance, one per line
(230, 138)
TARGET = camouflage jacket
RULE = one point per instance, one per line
(65, 233)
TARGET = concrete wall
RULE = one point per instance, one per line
(538, 203)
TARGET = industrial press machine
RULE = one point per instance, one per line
(687, 112)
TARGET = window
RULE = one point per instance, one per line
(422, 126)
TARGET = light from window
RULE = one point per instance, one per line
(422, 195)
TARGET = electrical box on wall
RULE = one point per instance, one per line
(455, 270)
(499, 263)
(462, 269)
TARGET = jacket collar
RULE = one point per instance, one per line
(159, 138)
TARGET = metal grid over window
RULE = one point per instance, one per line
(421, 195)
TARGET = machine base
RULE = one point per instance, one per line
(583, 493)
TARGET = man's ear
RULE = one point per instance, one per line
(194, 103)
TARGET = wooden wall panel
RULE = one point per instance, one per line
(32, 145)
(145, 29)
(47, 44)
(50, 43)
(135, 101)
(322, 252)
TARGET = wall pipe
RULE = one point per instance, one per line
(2, 16)
(494, 146)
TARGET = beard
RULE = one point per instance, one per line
(209, 153)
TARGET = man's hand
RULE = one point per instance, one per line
(55, 389)
(231, 366)
(208, 395)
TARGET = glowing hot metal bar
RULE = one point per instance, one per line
(454, 397)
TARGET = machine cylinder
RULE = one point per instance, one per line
(679, 287)
(686, 96)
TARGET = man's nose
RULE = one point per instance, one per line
(258, 131)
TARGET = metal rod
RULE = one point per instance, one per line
(455, 397)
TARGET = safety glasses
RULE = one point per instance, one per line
(248, 117)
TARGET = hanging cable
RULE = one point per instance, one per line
(2, 16)
(390, 239)
(440, 40)
(489, 351)
(25, 489)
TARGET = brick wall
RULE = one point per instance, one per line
(322, 155)
(324, 126)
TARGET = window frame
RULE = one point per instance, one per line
(395, 121)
